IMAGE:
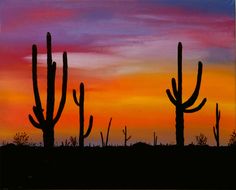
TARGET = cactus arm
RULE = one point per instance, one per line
(34, 123)
(128, 138)
(172, 99)
(49, 49)
(38, 114)
(35, 82)
(175, 91)
(64, 87)
(89, 127)
(102, 138)
(108, 130)
(75, 98)
(196, 108)
(194, 96)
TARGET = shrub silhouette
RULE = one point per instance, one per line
(126, 139)
(201, 139)
(47, 123)
(216, 129)
(65, 143)
(176, 99)
(232, 140)
(73, 141)
(80, 104)
(107, 137)
(21, 138)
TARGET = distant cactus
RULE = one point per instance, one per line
(154, 139)
(181, 107)
(216, 129)
(80, 104)
(46, 123)
(108, 130)
(126, 139)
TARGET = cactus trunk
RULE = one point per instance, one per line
(176, 98)
(216, 129)
(179, 127)
(48, 137)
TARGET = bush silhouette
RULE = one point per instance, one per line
(232, 140)
(201, 139)
(21, 138)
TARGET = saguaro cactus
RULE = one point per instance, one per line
(80, 104)
(154, 139)
(108, 130)
(126, 138)
(216, 129)
(46, 123)
(176, 98)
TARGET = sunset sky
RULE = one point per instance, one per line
(125, 52)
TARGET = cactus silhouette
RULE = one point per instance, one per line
(80, 104)
(126, 138)
(216, 128)
(47, 123)
(108, 130)
(154, 139)
(177, 100)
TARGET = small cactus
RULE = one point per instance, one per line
(80, 104)
(126, 139)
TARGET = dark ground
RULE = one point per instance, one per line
(136, 167)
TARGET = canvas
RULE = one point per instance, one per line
(117, 94)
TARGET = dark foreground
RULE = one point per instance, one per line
(118, 167)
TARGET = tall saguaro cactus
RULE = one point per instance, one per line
(46, 123)
(80, 104)
(126, 138)
(176, 99)
(108, 130)
(216, 129)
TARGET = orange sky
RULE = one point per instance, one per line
(136, 100)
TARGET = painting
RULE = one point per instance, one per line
(117, 94)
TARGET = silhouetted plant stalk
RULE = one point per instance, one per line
(216, 128)
(154, 139)
(126, 139)
(107, 137)
(73, 141)
(176, 99)
(47, 123)
(80, 104)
